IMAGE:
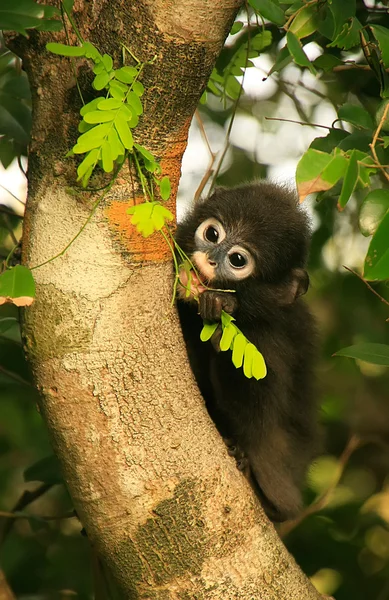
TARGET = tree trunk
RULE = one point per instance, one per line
(162, 503)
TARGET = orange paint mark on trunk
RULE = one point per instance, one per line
(153, 248)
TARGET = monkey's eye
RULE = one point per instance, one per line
(211, 234)
(237, 260)
(210, 231)
(240, 262)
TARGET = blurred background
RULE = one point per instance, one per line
(342, 542)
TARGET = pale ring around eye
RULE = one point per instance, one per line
(240, 262)
(211, 231)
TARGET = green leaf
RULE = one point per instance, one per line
(116, 92)
(138, 88)
(126, 74)
(68, 5)
(229, 332)
(318, 171)
(92, 138)
(124, 133)
(135, 103)
(92, 105)
(232, 87)
(64, 50)
(164, 188)
(92, 52)
(239, 344)
(373, 209)
(17, 286)
(248, 360)
(125, 113)
(109, 104)
(106, 157)
(378, 354)
(107, 62)
(377, 258)
(99, 116)
(117, 147)
(259, 369)
(6, 323)
(237, 26)
(47, 470)
(209, 328)
(305, 22)
(357, 115)
(283, 59)
(101, 80)
(330, 141)
(142, 150)
(296, 50)
(350, 180)
(327, 62)
(382, 36)
(90, 160)
(149, 217)
(26, 14)
(270, 10)
(349, 35)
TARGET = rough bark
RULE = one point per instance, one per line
(161, 501)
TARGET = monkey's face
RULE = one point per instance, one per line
(247, 237)
(218, 261)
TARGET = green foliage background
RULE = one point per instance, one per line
(344, 546)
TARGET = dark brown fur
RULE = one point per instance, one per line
(270, 424)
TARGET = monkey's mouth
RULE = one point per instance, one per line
(191, 284)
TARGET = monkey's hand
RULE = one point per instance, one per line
(212, 303)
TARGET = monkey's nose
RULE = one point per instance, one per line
(212, 263)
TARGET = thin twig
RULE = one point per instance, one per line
(299, 122)
(354, 443)
(14, 376)
(9, 211)
(367, 285)
(212, 154)
(375, 138)
(11, 194)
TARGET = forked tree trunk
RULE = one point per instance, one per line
(161, 501)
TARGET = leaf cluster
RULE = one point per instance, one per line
(244, 353)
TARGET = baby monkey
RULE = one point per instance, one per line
(252, 241)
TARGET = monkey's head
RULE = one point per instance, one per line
(253, 235)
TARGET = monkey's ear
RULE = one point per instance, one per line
(296, 286)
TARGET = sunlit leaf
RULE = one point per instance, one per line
(382, 36)
(305, 22)
(296, 50)
(240, 343)
(164, 188)
(377, 354)
(101, 80)
(91, 159)
(17, 286)
(99, 116)
(124, 132)
(377, 258)
(357, 115)
(269, 9)
(373, 209)
(64, 50)
(208, 330)
(229, 333)
(350, 180)
(348, 36)
(318, 171)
